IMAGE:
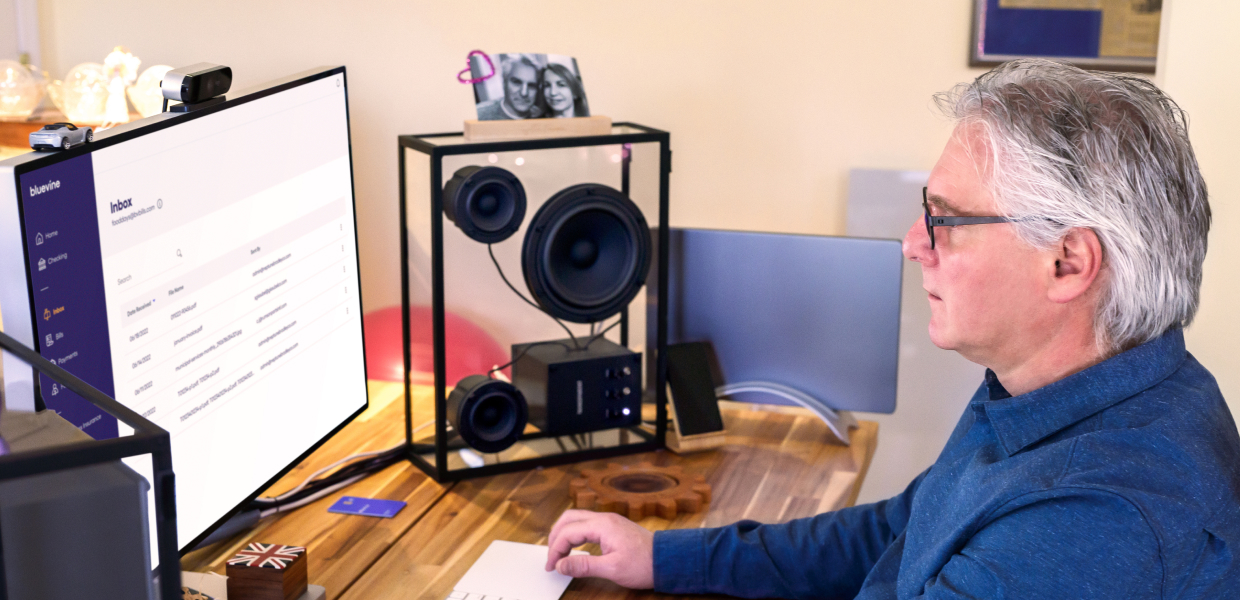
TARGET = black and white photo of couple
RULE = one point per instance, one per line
(528, 86)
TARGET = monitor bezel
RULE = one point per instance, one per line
(163, 121)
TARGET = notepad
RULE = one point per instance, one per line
(511, 571)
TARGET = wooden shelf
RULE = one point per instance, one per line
(16, 134)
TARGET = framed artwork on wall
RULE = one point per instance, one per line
(1116, 35)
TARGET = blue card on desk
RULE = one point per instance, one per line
(367, 507)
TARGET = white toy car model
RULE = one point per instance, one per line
(60, 136)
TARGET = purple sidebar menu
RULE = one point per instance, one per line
(66, 275)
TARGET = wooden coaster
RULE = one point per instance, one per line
(267, 572)
(640, 491)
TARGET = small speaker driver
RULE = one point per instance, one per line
(487, 203)
(489, 414)
(586, 253)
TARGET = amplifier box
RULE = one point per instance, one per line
(576, 391)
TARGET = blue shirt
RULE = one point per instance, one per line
(1120, 481)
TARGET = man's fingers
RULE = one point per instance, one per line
(568, 536)
(570, 516)
(580, 565)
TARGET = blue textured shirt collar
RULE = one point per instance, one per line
(1021, 421)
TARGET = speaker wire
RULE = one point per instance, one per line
(528, 301)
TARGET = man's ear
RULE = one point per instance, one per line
(1078, 261)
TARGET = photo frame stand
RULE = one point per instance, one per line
(526, 129)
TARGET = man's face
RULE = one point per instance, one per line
(987, 289)
(521, 87)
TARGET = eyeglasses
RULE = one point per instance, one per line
(933, 221)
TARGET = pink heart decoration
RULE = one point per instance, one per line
(462, 76)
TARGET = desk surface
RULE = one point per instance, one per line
(777, 465)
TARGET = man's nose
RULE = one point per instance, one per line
(916, 244)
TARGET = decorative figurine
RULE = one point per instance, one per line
(121, 68)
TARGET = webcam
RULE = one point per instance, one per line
(196, 85)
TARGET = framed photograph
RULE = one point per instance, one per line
(1115, 35)
(527, 86)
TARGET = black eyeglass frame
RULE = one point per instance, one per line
(933, 221)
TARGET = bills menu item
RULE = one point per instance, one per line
(267, 572)
(199, 279)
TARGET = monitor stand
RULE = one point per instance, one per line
(839, 421)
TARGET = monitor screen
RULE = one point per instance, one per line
(818, 314)
(202, 269)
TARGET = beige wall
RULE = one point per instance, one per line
(769, 105)
(1203, 75)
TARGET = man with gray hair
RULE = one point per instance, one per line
(1061, 247)
(520, 79)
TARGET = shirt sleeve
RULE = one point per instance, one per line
(1077, 543)
(826, 555)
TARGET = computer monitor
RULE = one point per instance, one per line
(202, 269)
(819, 315)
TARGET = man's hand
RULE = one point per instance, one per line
(628, 549)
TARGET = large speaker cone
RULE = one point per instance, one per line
(489, 414)
(487, 203)
(586, 253)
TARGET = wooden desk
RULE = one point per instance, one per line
(777, 465)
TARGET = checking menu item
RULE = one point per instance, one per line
(209, 283)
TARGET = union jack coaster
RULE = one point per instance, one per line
(270, 556)
(267, 572)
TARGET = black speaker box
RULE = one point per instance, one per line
(555, 248)
(579, 391)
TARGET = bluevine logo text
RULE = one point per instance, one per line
(35, 190)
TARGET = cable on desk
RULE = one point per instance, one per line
(345, 476)
(312, 497)
(313, 488)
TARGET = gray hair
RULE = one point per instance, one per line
(1070, 148)
(508, 61)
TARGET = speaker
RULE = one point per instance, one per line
(579, 390)
(586, 253)
(487, 203)
(489, 414)
(590, 247)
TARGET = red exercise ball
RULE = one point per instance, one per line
(470, 350)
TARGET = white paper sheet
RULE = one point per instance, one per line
(511, 571)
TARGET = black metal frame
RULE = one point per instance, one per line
(147, 438)
(439, 470)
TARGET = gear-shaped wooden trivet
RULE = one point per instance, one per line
(640, 491)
